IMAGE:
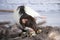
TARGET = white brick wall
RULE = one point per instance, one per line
(38, 5)
(17, 1)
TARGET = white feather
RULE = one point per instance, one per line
(16, 15)
(31, 12)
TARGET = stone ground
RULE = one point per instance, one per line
(14, 33)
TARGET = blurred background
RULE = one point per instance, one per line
(48, 8)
